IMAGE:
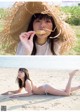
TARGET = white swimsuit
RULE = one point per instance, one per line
(45, 87)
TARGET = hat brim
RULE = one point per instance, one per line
(24, 13)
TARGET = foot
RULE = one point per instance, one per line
(73, 73)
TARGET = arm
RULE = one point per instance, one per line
(12, 92)
(28, 88)
(21, 95)
(26, 43)
(21, 50)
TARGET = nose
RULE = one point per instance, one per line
(42, 24)
(19, 75)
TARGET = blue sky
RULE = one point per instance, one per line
(8, 3)
(45, 62)
(5, 4)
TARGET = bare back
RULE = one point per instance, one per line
(34, 89)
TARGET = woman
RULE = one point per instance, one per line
(37, 38)
(35, 28)
(24, 81)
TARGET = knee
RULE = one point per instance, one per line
(67, 94)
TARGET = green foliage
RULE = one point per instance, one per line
(3, 13)
(1, 25)
(74, 11)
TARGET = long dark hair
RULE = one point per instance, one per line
(25, 77)
(51, 41)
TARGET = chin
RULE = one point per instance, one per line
(19, 77)
(42, 36)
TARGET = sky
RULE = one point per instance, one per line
(43, 62)
(5, 4)
(8, 3)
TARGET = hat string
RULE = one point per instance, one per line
(56, 35)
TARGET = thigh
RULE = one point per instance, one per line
(40, 90)
(54, 91)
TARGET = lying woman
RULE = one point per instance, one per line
(24, 81)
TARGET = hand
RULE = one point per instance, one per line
(27, 40)
(7, 93)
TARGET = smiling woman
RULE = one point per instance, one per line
(36, 31)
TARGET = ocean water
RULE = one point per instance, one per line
(42, 62)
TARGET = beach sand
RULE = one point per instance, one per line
(56, 78)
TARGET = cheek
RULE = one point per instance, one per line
(50, 26)
(22, 75)
(19, 76)
(35, 26)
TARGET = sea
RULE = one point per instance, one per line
(41, 62)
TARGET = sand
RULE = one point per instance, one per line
(56, 78)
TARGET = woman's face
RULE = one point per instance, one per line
(43, 24)
(21, 74)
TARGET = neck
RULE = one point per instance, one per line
(41, 41)
(23, 82)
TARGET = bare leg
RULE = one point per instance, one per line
(75, 88)
(68, 86)
(67, 90)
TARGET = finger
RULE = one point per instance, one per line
(26, 34)
(31, 32)
(31, 37)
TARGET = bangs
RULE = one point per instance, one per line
(41, 16)
(22, 69)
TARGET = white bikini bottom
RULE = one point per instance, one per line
(45, 86)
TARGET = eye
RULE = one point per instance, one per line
(48, 20)
(37, 20)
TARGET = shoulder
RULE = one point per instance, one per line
(28, 85)
(28, 81)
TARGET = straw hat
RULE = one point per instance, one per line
(18, 21)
